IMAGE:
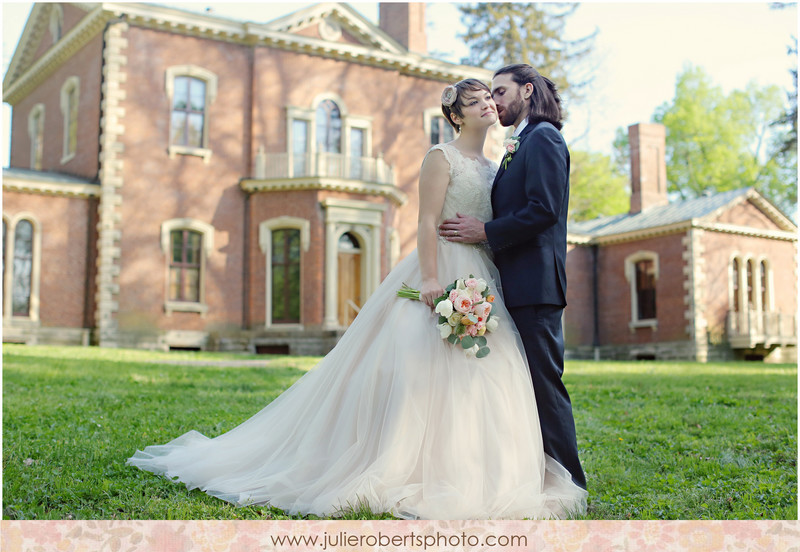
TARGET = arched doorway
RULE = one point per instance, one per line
(349, 278)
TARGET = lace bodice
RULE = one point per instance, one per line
(469, 192)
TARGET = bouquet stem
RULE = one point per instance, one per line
(407, 292)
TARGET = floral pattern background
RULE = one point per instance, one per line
(453, 536)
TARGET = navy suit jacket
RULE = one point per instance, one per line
(528, 234)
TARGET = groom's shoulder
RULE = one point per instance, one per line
(547, 132)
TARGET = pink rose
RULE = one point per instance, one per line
(482, 311)
(463, 304)
(471, 283)
(453, 296)
(472, 330)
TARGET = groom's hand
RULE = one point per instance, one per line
(463, 229)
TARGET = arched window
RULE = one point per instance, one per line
(329, 127)
(751, 291)
(36, 133)
(286, 276)
(22, 269)
(736, 275)
(69, 108)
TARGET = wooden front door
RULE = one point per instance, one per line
(349, 278)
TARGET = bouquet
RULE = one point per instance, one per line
(464, 313)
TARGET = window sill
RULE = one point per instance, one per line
(284, 326)
(180, 306)
(651, 323)
(188, 150)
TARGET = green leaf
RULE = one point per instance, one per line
(480, 340)
(452, 338)
(442, 320)
(467, 342)
(482, 352)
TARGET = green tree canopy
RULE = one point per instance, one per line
(719, 142)
(516, 32)
(597, 187)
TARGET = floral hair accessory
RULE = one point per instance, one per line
(449, 95)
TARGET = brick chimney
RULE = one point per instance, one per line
(405, 22)
(648, 166)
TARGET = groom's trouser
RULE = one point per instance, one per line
(542, 336)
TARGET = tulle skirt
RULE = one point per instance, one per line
(395, 418)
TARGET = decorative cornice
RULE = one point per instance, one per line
(50, 189)
(683, 226)
(746, 231)
(19, 86)
(323, 183)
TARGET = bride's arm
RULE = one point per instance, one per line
(434, 176)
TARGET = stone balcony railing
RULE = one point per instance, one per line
(373, 170)
(750, 329)
(369, 176)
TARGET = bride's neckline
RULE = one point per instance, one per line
(487, 164)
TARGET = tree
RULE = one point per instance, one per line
(510, 32)
(717, 142)
(597, 187)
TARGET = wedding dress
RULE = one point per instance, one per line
(395, 417)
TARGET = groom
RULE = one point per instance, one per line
(528, 236)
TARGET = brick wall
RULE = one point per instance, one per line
(86, 66)
(615, 295)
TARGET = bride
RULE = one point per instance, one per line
(395, 417)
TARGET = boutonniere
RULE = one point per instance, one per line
(510, 145)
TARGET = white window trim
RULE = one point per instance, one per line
(33, 133)
(630, 275)
(72, 83)
(265, 230)
(11, 227)
(427, 122)
(210, 79)
(208, 247)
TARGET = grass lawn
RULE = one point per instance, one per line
(658, 440)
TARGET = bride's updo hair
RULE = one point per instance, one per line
(451, 98)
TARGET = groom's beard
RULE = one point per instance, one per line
(511, 112)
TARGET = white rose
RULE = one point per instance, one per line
(460, 284)
(492, 324)
(455, 319)
(481, 285)
(472, 351)
(445, 308)
(445, 330)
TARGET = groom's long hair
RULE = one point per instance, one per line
(545, 102)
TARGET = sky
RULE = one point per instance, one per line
(640, 49)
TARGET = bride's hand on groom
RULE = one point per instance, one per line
(430, 291)
(463, 229)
